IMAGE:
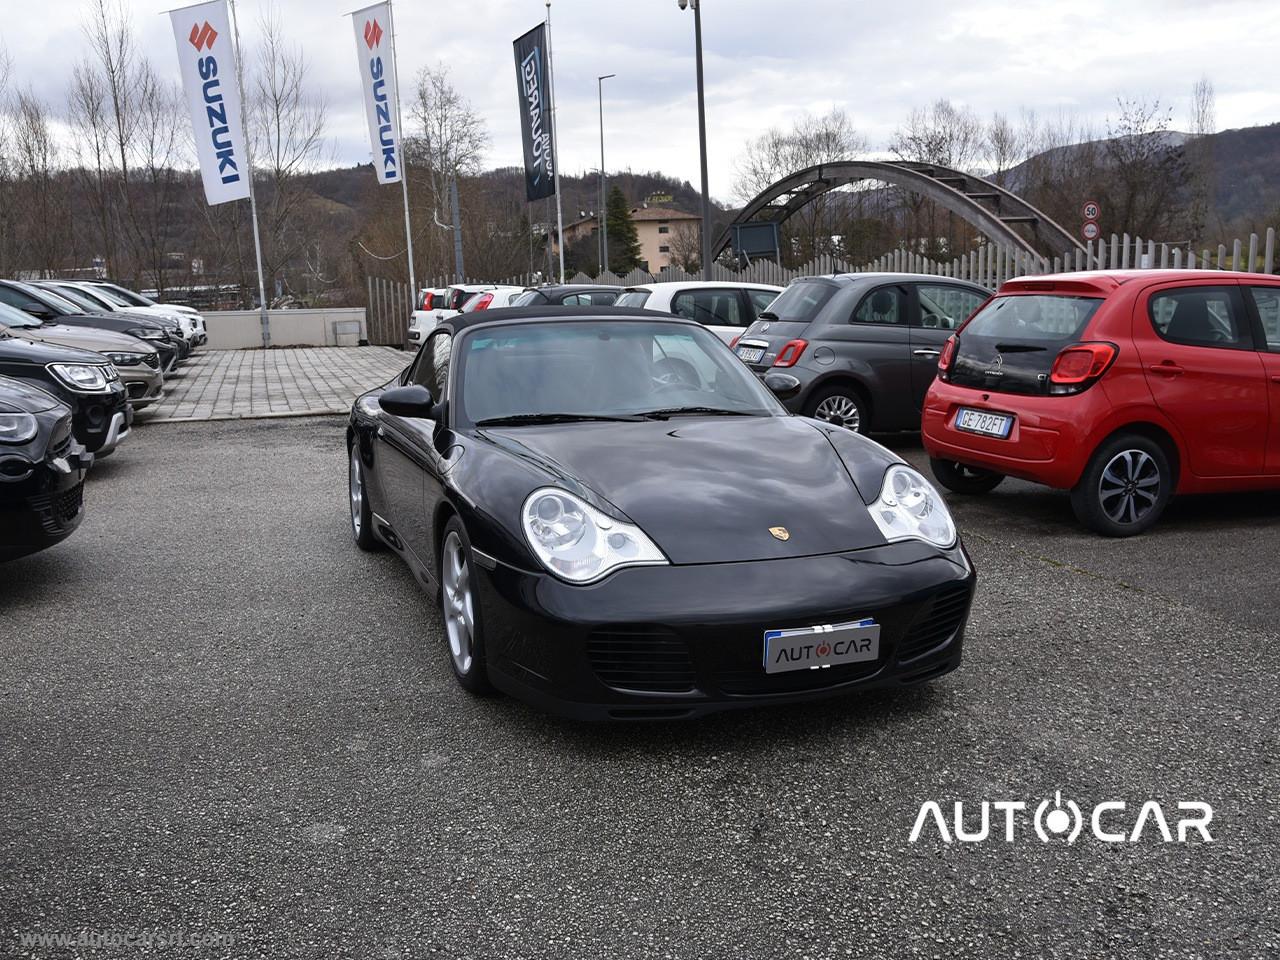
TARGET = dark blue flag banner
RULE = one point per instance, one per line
(535, 113)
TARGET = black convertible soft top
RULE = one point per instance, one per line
(477, 318)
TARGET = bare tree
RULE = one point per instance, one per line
(450, 142)
(42, 210)
(686, 247)
(1200, 159)
(287, 124)
(1008, 144)
(941, 133)
(817, 228)
(96, 167)
(1146, 171)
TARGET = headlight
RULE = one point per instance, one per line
(577, 542)
(148, 333)
(87, 377)
(126, 359)
(17, 427)
(910, 509)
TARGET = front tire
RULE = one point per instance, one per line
(460, 609)
(840, 405)
(361, 514)
(959, 478)
(1125, 487)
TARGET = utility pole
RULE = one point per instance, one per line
(604, 222)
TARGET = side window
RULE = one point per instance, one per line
(1267, 300)
(432, 369)
(16, 298)
(944, 307)
(719, 308)
(760, 300)
(575, 300)
(603, 299)
(885, 305)
(1202, 317)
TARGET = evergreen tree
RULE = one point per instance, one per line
(624, 243)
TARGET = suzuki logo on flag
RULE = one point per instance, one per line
(381, 99)
(203, 35)
(372, 33)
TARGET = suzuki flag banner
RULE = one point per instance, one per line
(378, 74)
(208, 60)
(535, 113)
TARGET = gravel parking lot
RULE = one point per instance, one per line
(219, 717)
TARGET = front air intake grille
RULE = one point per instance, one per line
(936, 624)
(643, 659)
(57, 511)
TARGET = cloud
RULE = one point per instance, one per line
(766, 62)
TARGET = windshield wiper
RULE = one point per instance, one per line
(518, 418)
(693, 411)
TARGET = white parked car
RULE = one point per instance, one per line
(727, 308)
(449, 302)
(112, 301)
(189, 316)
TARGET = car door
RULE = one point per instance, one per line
(876, 342)
(720, 309)
(937, 310)
(406, 457)
(1265, 300)
(1196, 344)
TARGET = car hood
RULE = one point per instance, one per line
(709, 489)
(86, 338)
(19, 397)
(20, 349)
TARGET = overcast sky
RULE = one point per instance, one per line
(767, 60)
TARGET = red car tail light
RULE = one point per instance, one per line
(946, 357)
(789, 355)
(484, 301)
(427, 299)
(733, 344)
(1080, 365)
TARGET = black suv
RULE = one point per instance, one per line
(42, 470)
(83, 380)
(862, 348)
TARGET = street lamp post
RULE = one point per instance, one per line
(604, 224)
(702, 137)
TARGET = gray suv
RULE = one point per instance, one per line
(862, 348)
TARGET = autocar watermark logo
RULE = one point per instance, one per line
(1063, 821)
(149, 939)
(203, 35)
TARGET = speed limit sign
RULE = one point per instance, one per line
(1091, 230)
(1091, 210)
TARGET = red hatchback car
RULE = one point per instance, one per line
(1123, 387)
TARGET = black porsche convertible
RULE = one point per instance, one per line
(619, 520)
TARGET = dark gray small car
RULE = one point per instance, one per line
(863, 347)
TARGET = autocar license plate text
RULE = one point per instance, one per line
(988, 424)
(812, 648)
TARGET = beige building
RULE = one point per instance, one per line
(655, 228)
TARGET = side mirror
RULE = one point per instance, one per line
(782, 385)
(412, 401)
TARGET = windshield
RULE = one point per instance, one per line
(130, 298)
(59, 305)
(634, 298)
(800, 302)
(602, 369)
(81, 300)
(1036, 318)
(13, 317)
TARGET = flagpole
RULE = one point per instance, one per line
(248, 162)
(555, 144)
(404, 167)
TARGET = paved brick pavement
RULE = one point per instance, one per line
(300, 381)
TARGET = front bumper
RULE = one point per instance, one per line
(45, 507)
(144, 385)
(680, 641)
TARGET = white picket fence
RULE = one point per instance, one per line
(989, 265)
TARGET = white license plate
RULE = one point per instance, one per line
(750, 354)
(812, 648)
(987, 424)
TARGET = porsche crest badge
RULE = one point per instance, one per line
(780, 533)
